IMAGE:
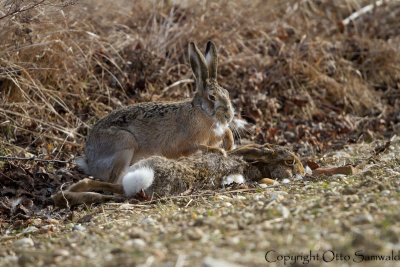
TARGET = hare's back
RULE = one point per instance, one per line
(146, 111)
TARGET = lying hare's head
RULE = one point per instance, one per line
(210, 97)
(272, 160)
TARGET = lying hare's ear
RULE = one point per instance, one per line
(212, 60)
(254, 152)
(199, 65)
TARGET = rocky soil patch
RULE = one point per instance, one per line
(349, 217)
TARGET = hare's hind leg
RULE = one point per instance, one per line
(80, 193)
(88, 185)
(109, 157)
(65, 199)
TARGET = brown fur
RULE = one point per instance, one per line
(205, 171)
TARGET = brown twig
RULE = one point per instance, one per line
(34, 159)
(17, 10)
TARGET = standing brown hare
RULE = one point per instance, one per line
(168, 129)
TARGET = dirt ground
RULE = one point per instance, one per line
(341, 219)
(298, 73)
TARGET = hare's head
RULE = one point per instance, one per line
(210, 96)
(272, 160)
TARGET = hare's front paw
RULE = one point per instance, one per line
(212, 149)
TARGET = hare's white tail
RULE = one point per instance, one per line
(137, 179)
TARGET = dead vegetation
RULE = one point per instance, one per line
(294, 70)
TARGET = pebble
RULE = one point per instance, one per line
(308, 170)
(267, 181)
(283, 211)
(367, 218)
(137, 242)
(227, 204)
(385, 192)
(61, 252)
(349, 191)
(24, 242)
(195, 234)
(148, 221)
(258, 197)
(278, 195)
(78, 227)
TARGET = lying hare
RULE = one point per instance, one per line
(160, 176)
(169, 129)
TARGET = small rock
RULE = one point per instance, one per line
(285, 181)
(211, 262)
(53, 221)
(385, 192)
(267, 181)
(137, 242)
(298, 177)
(78, 227)
(234, 240)
(349, 191)
(283, 211)
(277, 196)
(289, 135)
(260, 203)
(227, 204)
(263, 185)
(24, 242)
(148, 221)
(367, 218)
(85, 219)
(258, 197)
(195, 234)
(61, 252)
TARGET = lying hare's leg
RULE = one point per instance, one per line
(252, 152)
(65, 199)
(89, 185)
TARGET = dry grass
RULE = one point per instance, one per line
(61, 69)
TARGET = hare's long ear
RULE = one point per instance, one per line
(254, 153)
(212, 60)
(199, 66)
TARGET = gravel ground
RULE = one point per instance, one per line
(340, 219)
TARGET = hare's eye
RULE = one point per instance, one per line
(289, 162)
(211, 97)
